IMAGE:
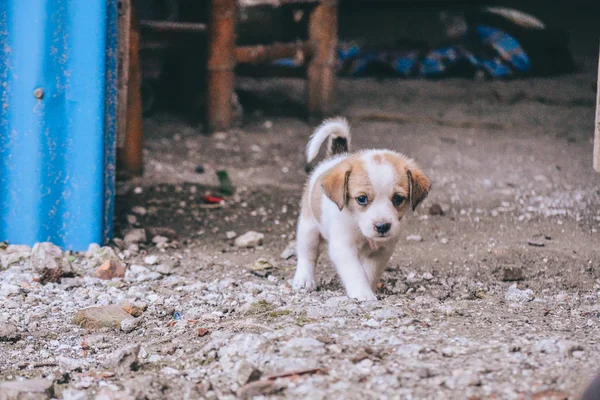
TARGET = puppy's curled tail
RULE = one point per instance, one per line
(337, 133)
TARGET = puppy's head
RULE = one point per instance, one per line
(377, 188)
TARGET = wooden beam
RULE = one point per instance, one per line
(267, 53)
(124, 25)
(129, 156)
(597, 125)
(221, 63)
(322, 34)
(172, 26)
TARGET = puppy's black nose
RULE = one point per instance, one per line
(383, 228)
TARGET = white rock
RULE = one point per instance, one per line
(301, 346)
(7, 289)
(414, 238)
(385, 313)
(139, 273)
(67, 364)
(427, 276)
(568, 347)
(136, 236)
(74, 394)
(230, 235)
(160, 240)
(46, 256)
(409, 350)
(151, 260)
(289, 251)
(139, 210)
(130, 324)
(515, 295)
(250, 239)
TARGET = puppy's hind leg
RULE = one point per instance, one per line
(307, 252)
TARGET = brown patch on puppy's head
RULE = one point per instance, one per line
(408, 173)
(345, 180)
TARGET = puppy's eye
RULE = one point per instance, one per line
(397, 200)
(362, 200)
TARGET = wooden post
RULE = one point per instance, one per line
(597, 126)
(221, 63)
(124, 26)
(322, 35)
(129, 156)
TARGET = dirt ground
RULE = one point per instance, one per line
(500, 298)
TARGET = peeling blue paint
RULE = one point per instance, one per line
(57, 148)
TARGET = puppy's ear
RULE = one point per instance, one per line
(418, 185)
(335, 184)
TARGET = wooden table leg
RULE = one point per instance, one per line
(221, 63)
(322, 34)
(129, 152)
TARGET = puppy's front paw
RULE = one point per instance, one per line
(303, 281)
(363, 296)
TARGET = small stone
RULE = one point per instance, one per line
(568, 347)
(67, 364)
(516, 295)
(436, 209)
(410, 350)
(125, 359)
(512, 273)
(49, 262)
(74, 394)
(160, 240)
(101, 255)
(101, 317)
(33, 389)
(202, 332)
(151, 260)
(257, 388)
(8, 332)
(130, 324)
(139, 273)
(414, 238)
(244, 372)
(135, 236)
(110, 269)
(427, 276)
(139, 210)
(230, 235)
(250, 239)
(536, 243)
(134, 308)
(106, 394)
(451, 351)
(444, 240)
(289, 251)
(298, 346)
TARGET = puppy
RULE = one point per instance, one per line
(354, 201)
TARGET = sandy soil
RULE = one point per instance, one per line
(511, 168)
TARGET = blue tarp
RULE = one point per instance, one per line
(57, 121)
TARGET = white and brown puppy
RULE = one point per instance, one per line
(355, 201)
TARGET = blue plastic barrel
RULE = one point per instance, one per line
(57, 121)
